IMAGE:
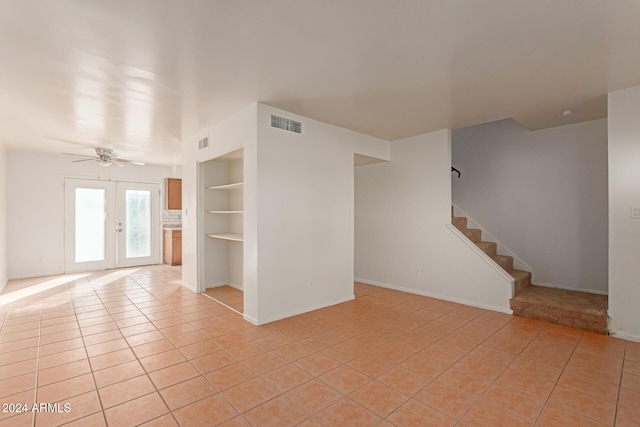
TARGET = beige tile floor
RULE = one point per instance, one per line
(132, 347)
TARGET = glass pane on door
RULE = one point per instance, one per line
(138, 223)
(90, 237)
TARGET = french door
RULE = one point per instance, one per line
(110, 224)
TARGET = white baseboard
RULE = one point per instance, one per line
(265, 320)
(215, 285)
(624, 336)
(43, 274)
(250, 319)
(189, 287)
(437, 296)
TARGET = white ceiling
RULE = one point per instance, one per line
(139, 76)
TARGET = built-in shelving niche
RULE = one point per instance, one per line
(223, 217)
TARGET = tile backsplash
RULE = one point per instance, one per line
(172, 217)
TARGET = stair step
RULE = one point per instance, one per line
(504, 261)
(488, 248)
(522, 280)
(459, 222)
(568, 308)
(472, 234)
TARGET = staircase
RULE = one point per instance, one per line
(568, 308)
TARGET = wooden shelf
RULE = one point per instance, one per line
(235, 186)
(228, 236)
(225, 212)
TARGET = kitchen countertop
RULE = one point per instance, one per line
(172, 227)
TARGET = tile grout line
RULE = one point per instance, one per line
(84, 346)
(546, 400)
(240, 361)
(178, 349)
(4, 322)
(82, 337)
(35, 390)
(240, 414)
(136, 358)
(459, 419)
(624, 361)
(555, 383)
(410, 396)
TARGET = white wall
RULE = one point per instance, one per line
(236, 132)
(35, 206)
(369, 151)
(401, 236)
(624, 231)
(305, 214)
(542, 194)
(3, 216)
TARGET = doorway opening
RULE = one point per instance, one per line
(110, 224)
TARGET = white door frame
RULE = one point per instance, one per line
(121, 227)
(109, 261)
(114, 213)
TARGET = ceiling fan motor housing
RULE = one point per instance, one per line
(106, 156)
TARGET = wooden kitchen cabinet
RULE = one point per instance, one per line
(172, 247)
(173, 193)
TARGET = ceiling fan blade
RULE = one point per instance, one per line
(83, 160)
(132, 162)
(79, 155)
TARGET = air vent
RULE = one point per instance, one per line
(286, 124)
(203, 143)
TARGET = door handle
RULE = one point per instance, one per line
(119, 230)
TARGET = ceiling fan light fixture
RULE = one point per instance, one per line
(102, 161)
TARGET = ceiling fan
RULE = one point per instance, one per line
(105, 157)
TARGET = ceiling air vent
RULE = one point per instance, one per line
(286, 124)
(203, 143)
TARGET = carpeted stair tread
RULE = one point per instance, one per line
(504, 261)
(489, 248)
(563, 298)
(569, 308)
(521, 280)
(519, 274)
(472, 234)
(459, 222)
